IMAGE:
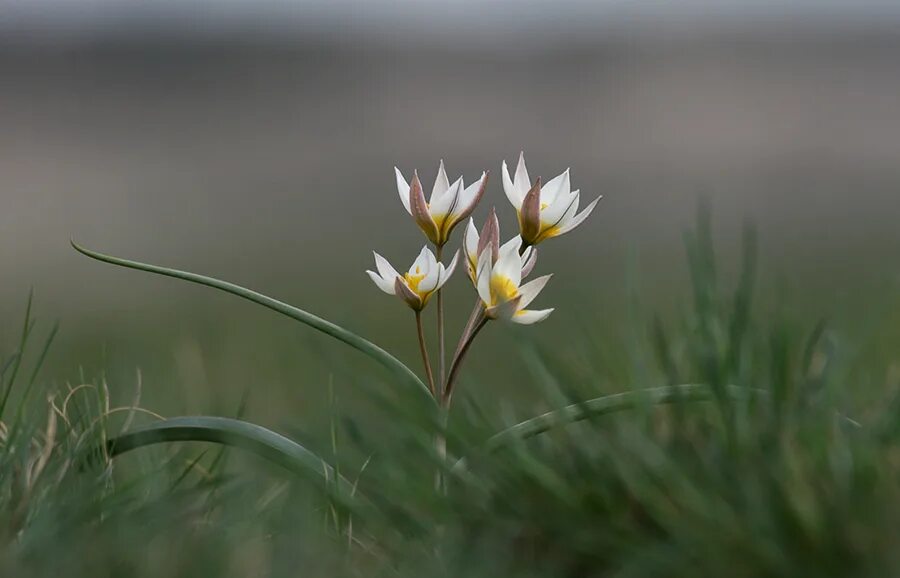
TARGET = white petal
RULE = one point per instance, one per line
(470, 241)
(447, 201)
(422, 263)
(403, 189)
(441, 184)
(526, 317)
(483, 276)
(445, 273)
(386, 286)
(553, 215)
(430, 282)
(509, 265)
(530, 290)
(514, 197)
(521, 181)
(528, 261)
(468, 195)
(558, 185)
(387, 272)
(577, 220)
(511, 245)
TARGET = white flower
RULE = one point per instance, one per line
(449, 204)
(474, 244)
(415, 287)
(500, 286)
(547, 211)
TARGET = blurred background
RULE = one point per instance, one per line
(255, 140)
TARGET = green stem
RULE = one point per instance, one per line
(456, 364)
(423, 349)
(439, 251)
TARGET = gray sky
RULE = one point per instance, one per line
(453, 21)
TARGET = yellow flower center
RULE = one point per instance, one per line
(502, 289)
(544, 205)
(413, 279)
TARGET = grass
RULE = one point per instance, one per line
(725, 440)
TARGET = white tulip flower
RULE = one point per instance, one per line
(448, 206)
(500, 286)
(474, 244)
(416, 286)
(544, 211)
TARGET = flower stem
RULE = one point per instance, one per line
(479, 322)
(424, 350)
(439, 250)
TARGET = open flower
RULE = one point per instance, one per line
(547, 211)
(474, 244)
(449, 204)
(416, 286)
(500, 286)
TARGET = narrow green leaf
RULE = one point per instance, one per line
(236, 433)
(327, 327)
(601, 406)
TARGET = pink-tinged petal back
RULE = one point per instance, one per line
(407, 294)
(420, 210)
(530, 215)
(490, 235)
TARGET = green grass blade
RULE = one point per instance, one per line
(236, 433)
(601, 406)
(327, 327)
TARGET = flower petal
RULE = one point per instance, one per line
(423, 262)
(420, 210)
(471, 242)
(407, 294)
(521, 181)
(529, 259)
(446, 273)
(558, 185)
(442, 207)
(514, 198)
(530, 215)
(385, 269)
(490, 235)
(430, 282)
(578, 219)
(383, 284)
(504, 311)
(554, 214)
(530, 290)
(403, 189)
(509, 265)
(483, 277)
(441, 184)
(528, 317)
(470, 197)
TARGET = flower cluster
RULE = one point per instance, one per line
(495, 270)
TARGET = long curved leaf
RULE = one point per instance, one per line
(236, 433)
(601, 406)
(327, 327)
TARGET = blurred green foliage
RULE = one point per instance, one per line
(797, 479)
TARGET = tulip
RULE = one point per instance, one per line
(544, 211)
(500, 286)
(416, 286)
(474, 244)
(448, 206)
